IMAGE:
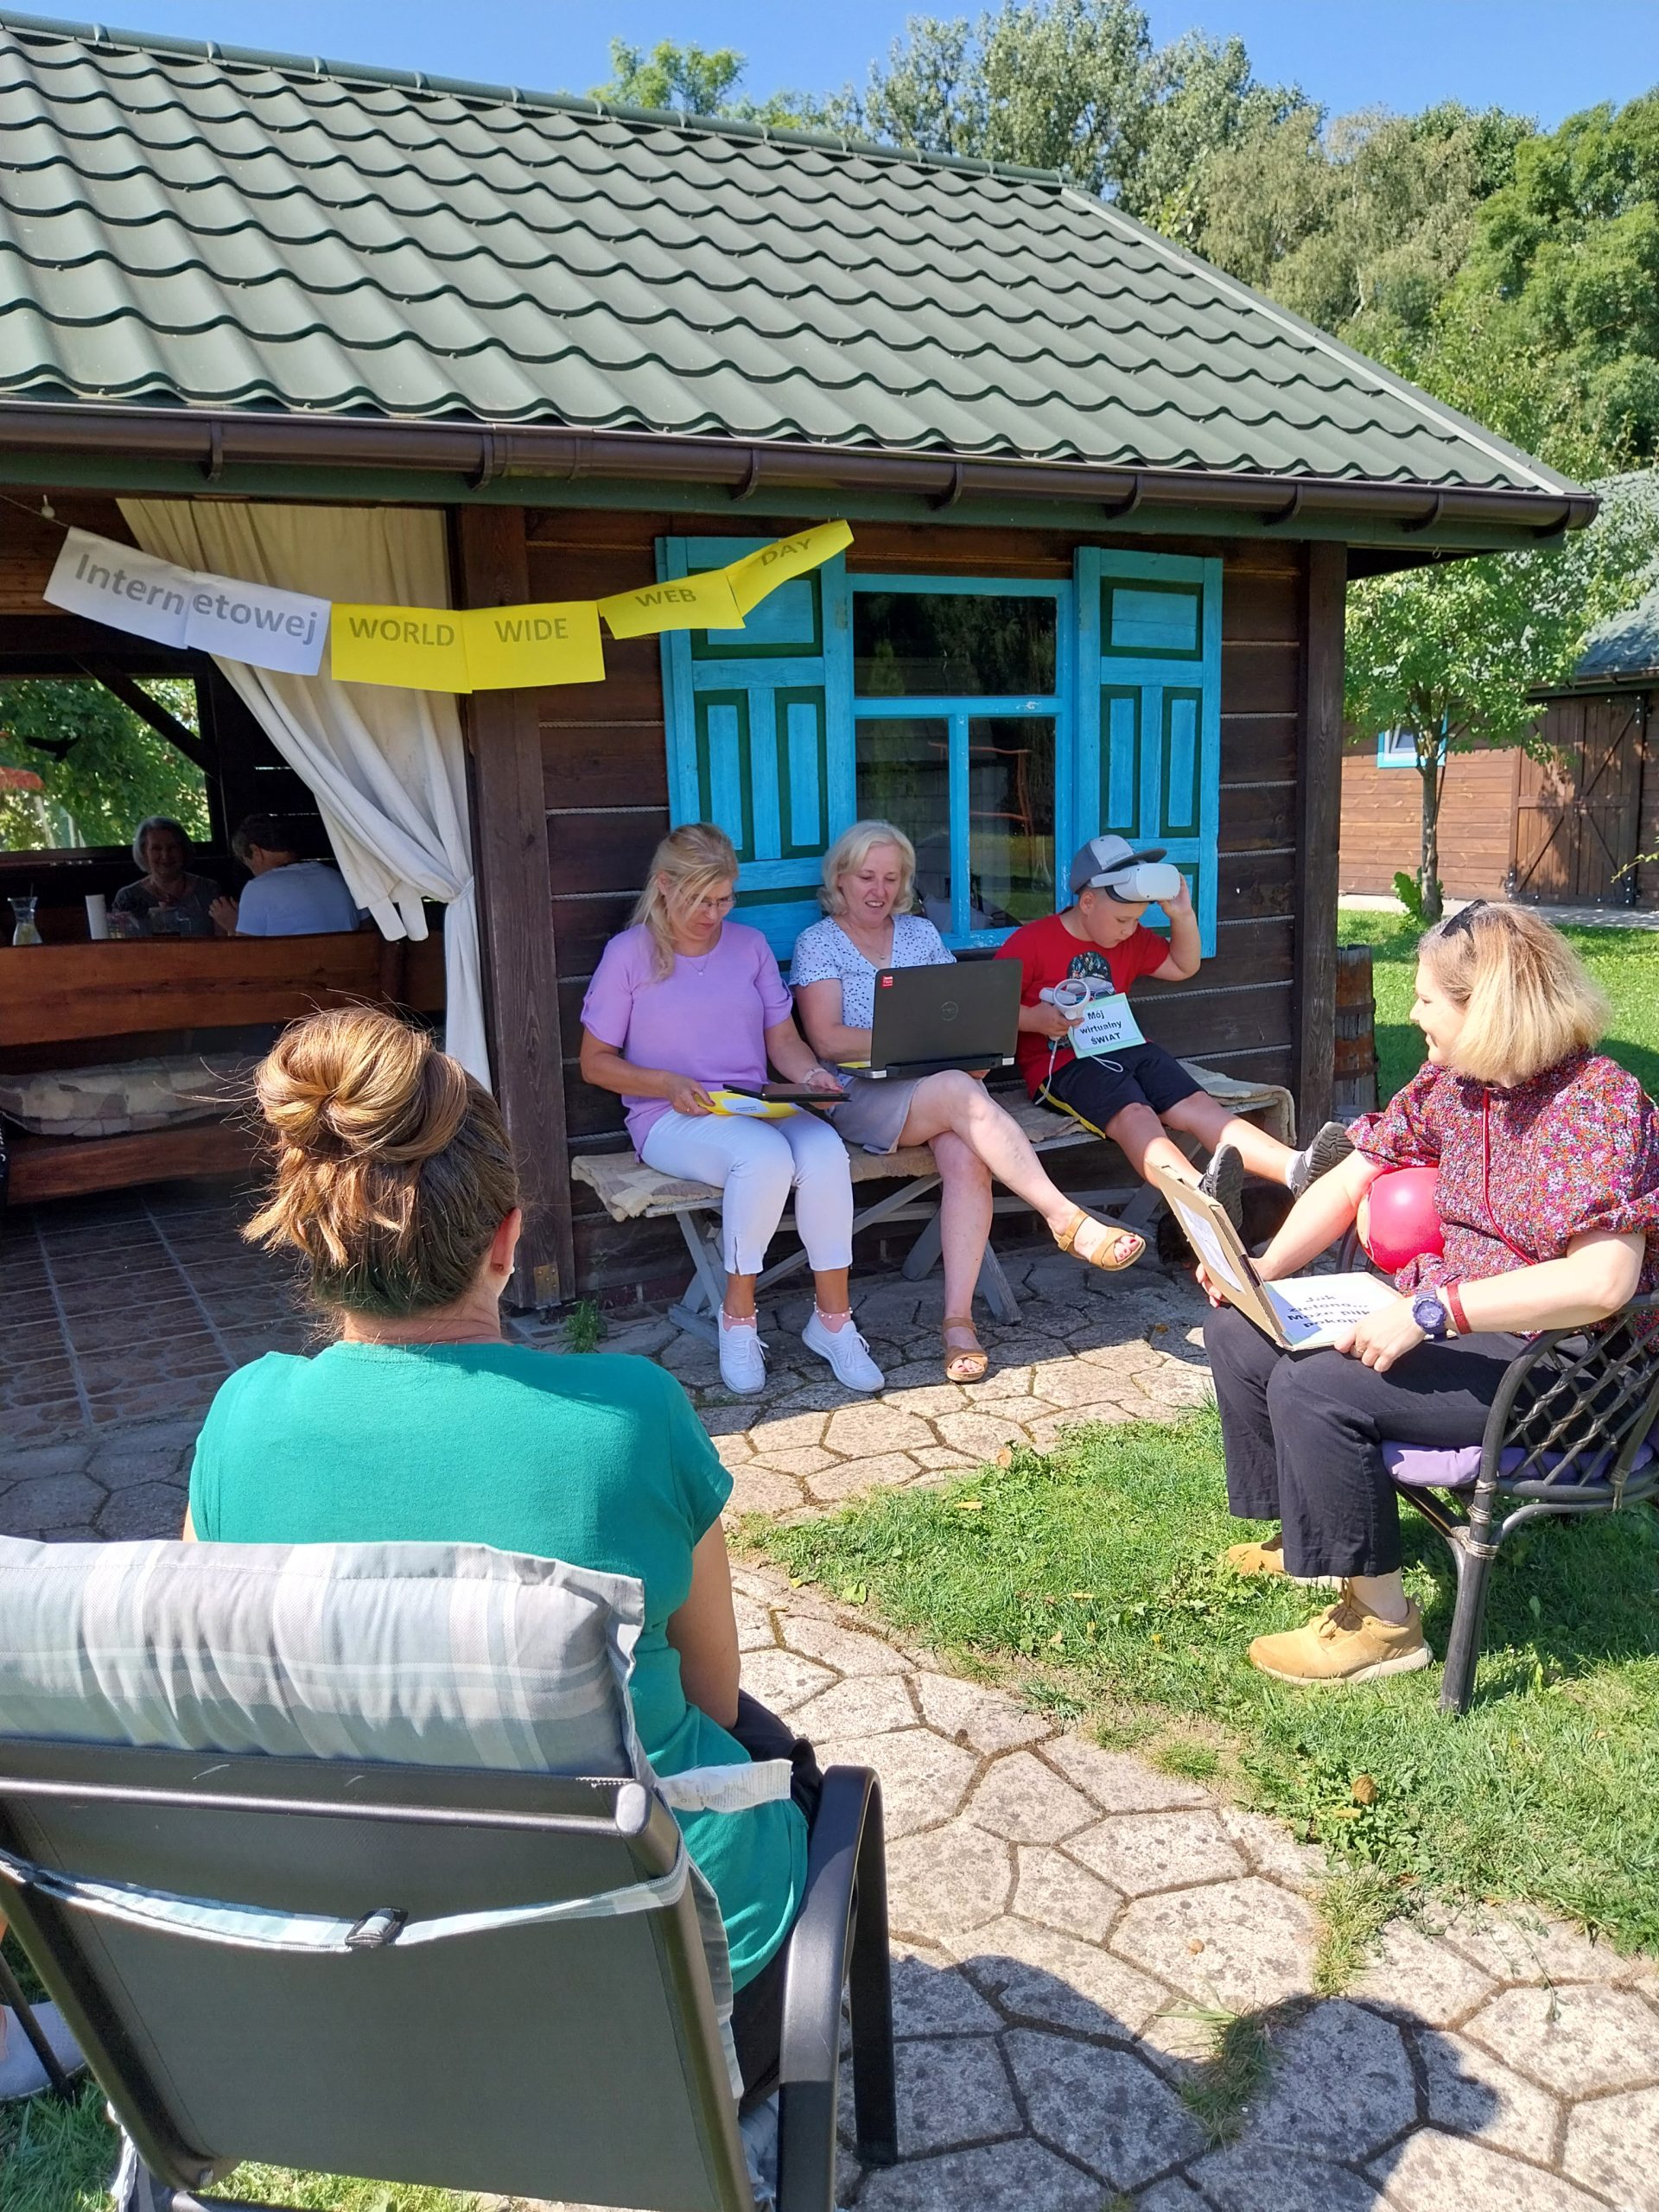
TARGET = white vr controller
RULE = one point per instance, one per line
(1073, 992)
(1149, 881)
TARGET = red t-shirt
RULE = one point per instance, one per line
(1047, 952)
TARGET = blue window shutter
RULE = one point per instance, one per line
(759, 726)
(1147, 762)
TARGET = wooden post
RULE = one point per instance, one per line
(515, 917)
(1318, 794)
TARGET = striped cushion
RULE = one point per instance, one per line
(428, 1655)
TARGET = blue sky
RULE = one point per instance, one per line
(1543, 57)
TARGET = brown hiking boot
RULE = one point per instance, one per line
(1345, 1644)
(1267, 1557)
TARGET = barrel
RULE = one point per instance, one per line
(1353, 1089)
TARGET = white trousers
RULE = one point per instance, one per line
(756, 1164)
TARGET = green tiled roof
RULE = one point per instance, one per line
(191, 226)
(1625, 647)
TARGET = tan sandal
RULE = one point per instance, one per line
(963, 1362)
(1107, 1249)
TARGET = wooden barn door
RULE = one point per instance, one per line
(1576, 815)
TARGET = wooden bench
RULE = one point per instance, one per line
(57, 995)
(629, 1191)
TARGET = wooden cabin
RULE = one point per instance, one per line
(1104, 504)
(1567, 829)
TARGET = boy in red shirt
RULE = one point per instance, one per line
(1117, 1083)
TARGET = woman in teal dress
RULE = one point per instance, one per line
(419, 1422)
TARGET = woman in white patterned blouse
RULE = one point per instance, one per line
(868, 881)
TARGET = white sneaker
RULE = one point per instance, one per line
(742, 1358)
(846, 1351)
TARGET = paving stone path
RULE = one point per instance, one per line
(1085, 1347)
(1061, 1912)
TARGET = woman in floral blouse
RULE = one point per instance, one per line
(1547, 1191)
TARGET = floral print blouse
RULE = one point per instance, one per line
(1524, 1171)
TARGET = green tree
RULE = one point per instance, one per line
(1074, 86)
(699, 81)
(1359, 224)
(1570, 245)
(98, 762)
(1450, 654)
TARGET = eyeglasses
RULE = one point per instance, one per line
(1464, 919)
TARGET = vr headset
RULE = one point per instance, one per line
(1147, 883)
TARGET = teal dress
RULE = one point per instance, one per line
(598, 1460)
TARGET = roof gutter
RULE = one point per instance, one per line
(481, 454)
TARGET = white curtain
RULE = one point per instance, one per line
(387, 767)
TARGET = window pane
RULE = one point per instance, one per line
(1011, 820)
(904, 777)
(951, 644)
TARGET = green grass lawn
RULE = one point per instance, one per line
(59, 2158)
(1089, 1575)
(1624, 963)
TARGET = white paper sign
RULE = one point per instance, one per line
(133, 591)
(1107, 1025)
(129, 591)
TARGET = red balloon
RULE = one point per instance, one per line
(1404, 1223)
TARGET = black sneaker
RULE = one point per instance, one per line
(1223, 1180)
(1330, 1147)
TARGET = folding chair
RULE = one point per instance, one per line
(483, 1976)
(1569, 1432)
(12, 1998)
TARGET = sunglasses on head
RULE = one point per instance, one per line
(1464, 919)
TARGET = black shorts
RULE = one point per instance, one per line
(1094, 1091)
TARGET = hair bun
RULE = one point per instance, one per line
(357, 1082)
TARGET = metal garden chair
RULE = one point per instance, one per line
(492, 1978)
(1570, 1433)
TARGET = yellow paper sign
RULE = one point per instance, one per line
(689, 603)
(762, 571)
(418, 648)
(554, 643)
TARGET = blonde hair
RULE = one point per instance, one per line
(850, 851)
(694, 857)
(393, 1171)
(1528, 1002)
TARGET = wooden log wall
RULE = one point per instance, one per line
(1382, 822)
(605, 766)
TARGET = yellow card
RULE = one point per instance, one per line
(557, 642)
(688, 603)
(762, 571)
(418, 648)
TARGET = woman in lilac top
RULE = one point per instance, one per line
(688, 1001)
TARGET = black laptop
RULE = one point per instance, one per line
(961, 1016)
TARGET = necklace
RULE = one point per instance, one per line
(887, 935)
(699, 961)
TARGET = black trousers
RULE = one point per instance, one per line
(758, 2007)
(1304, 1436)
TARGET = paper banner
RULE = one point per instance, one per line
(154, 599)
(418, 648)
(705, 602)
(512, 647)
(762, 571)
(413, 648)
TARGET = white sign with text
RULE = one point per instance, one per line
(1107, 1025)
(133, 591)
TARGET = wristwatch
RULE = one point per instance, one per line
(1431, 1316)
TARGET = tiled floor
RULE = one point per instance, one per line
(131, 1306)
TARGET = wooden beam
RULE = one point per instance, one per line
(134, 697)
(1319, 797)
(515, 916)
